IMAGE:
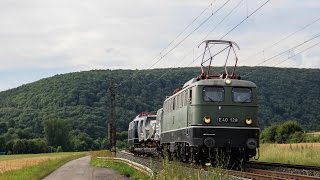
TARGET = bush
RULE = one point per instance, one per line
(297, 137)
(311, 138)
(289, 131)
(268, 135)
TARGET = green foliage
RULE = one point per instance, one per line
(81, 99)
(57, 133)
(19, 147)
(289, 131)
(2, 144)
(59, 149)
(312, 139)
(122, 141)
(82, 141)
(286, 130)
(268, 135)
(23, 146)
(3, 127)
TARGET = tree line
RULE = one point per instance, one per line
(80, 101)
(58, 137)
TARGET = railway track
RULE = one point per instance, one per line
(295, 166)
(265, 174)
(258, 172)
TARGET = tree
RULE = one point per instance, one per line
(3, 128)
(19, 146)
(2, 144)
(57, 133)
(82, 142)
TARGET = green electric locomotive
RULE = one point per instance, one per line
(212, 118)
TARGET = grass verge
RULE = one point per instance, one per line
(170, 170)
(301, 153)
(173, 170)
(38, 170)
(122, 168)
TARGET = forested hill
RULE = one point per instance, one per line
(81, 98)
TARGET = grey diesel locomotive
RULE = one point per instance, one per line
(144, 134)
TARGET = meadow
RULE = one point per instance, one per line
(300, 153)
(33, 166)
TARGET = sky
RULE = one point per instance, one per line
(42, 38)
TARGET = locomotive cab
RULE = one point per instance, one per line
(225, 115)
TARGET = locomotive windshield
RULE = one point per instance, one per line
(213, 94)
(241, 95)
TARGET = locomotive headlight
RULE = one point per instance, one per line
(248, 121)
(228, 81)
(207, 119)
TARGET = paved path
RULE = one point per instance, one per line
(80, 169)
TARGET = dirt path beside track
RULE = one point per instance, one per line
(80, 169)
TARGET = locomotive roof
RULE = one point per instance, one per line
(219, 82)
(215, 82)
(138, 118)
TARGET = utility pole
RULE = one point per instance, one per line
(111, 125)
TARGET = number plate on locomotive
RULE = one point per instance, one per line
(228, 120)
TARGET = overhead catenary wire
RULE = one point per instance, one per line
(184, 30)
(223, 19)
(256, 10)
(210, 5)
(316, 44)
(245, 18)
(285, 51)
(281, 40)
(232, 29)
(181, 41)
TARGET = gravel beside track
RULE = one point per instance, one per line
(287, 168)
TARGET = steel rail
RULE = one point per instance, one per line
(295, 166)
(277, 174)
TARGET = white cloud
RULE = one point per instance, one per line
(78, 35)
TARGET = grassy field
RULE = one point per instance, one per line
(33, 166)
(301, 153)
